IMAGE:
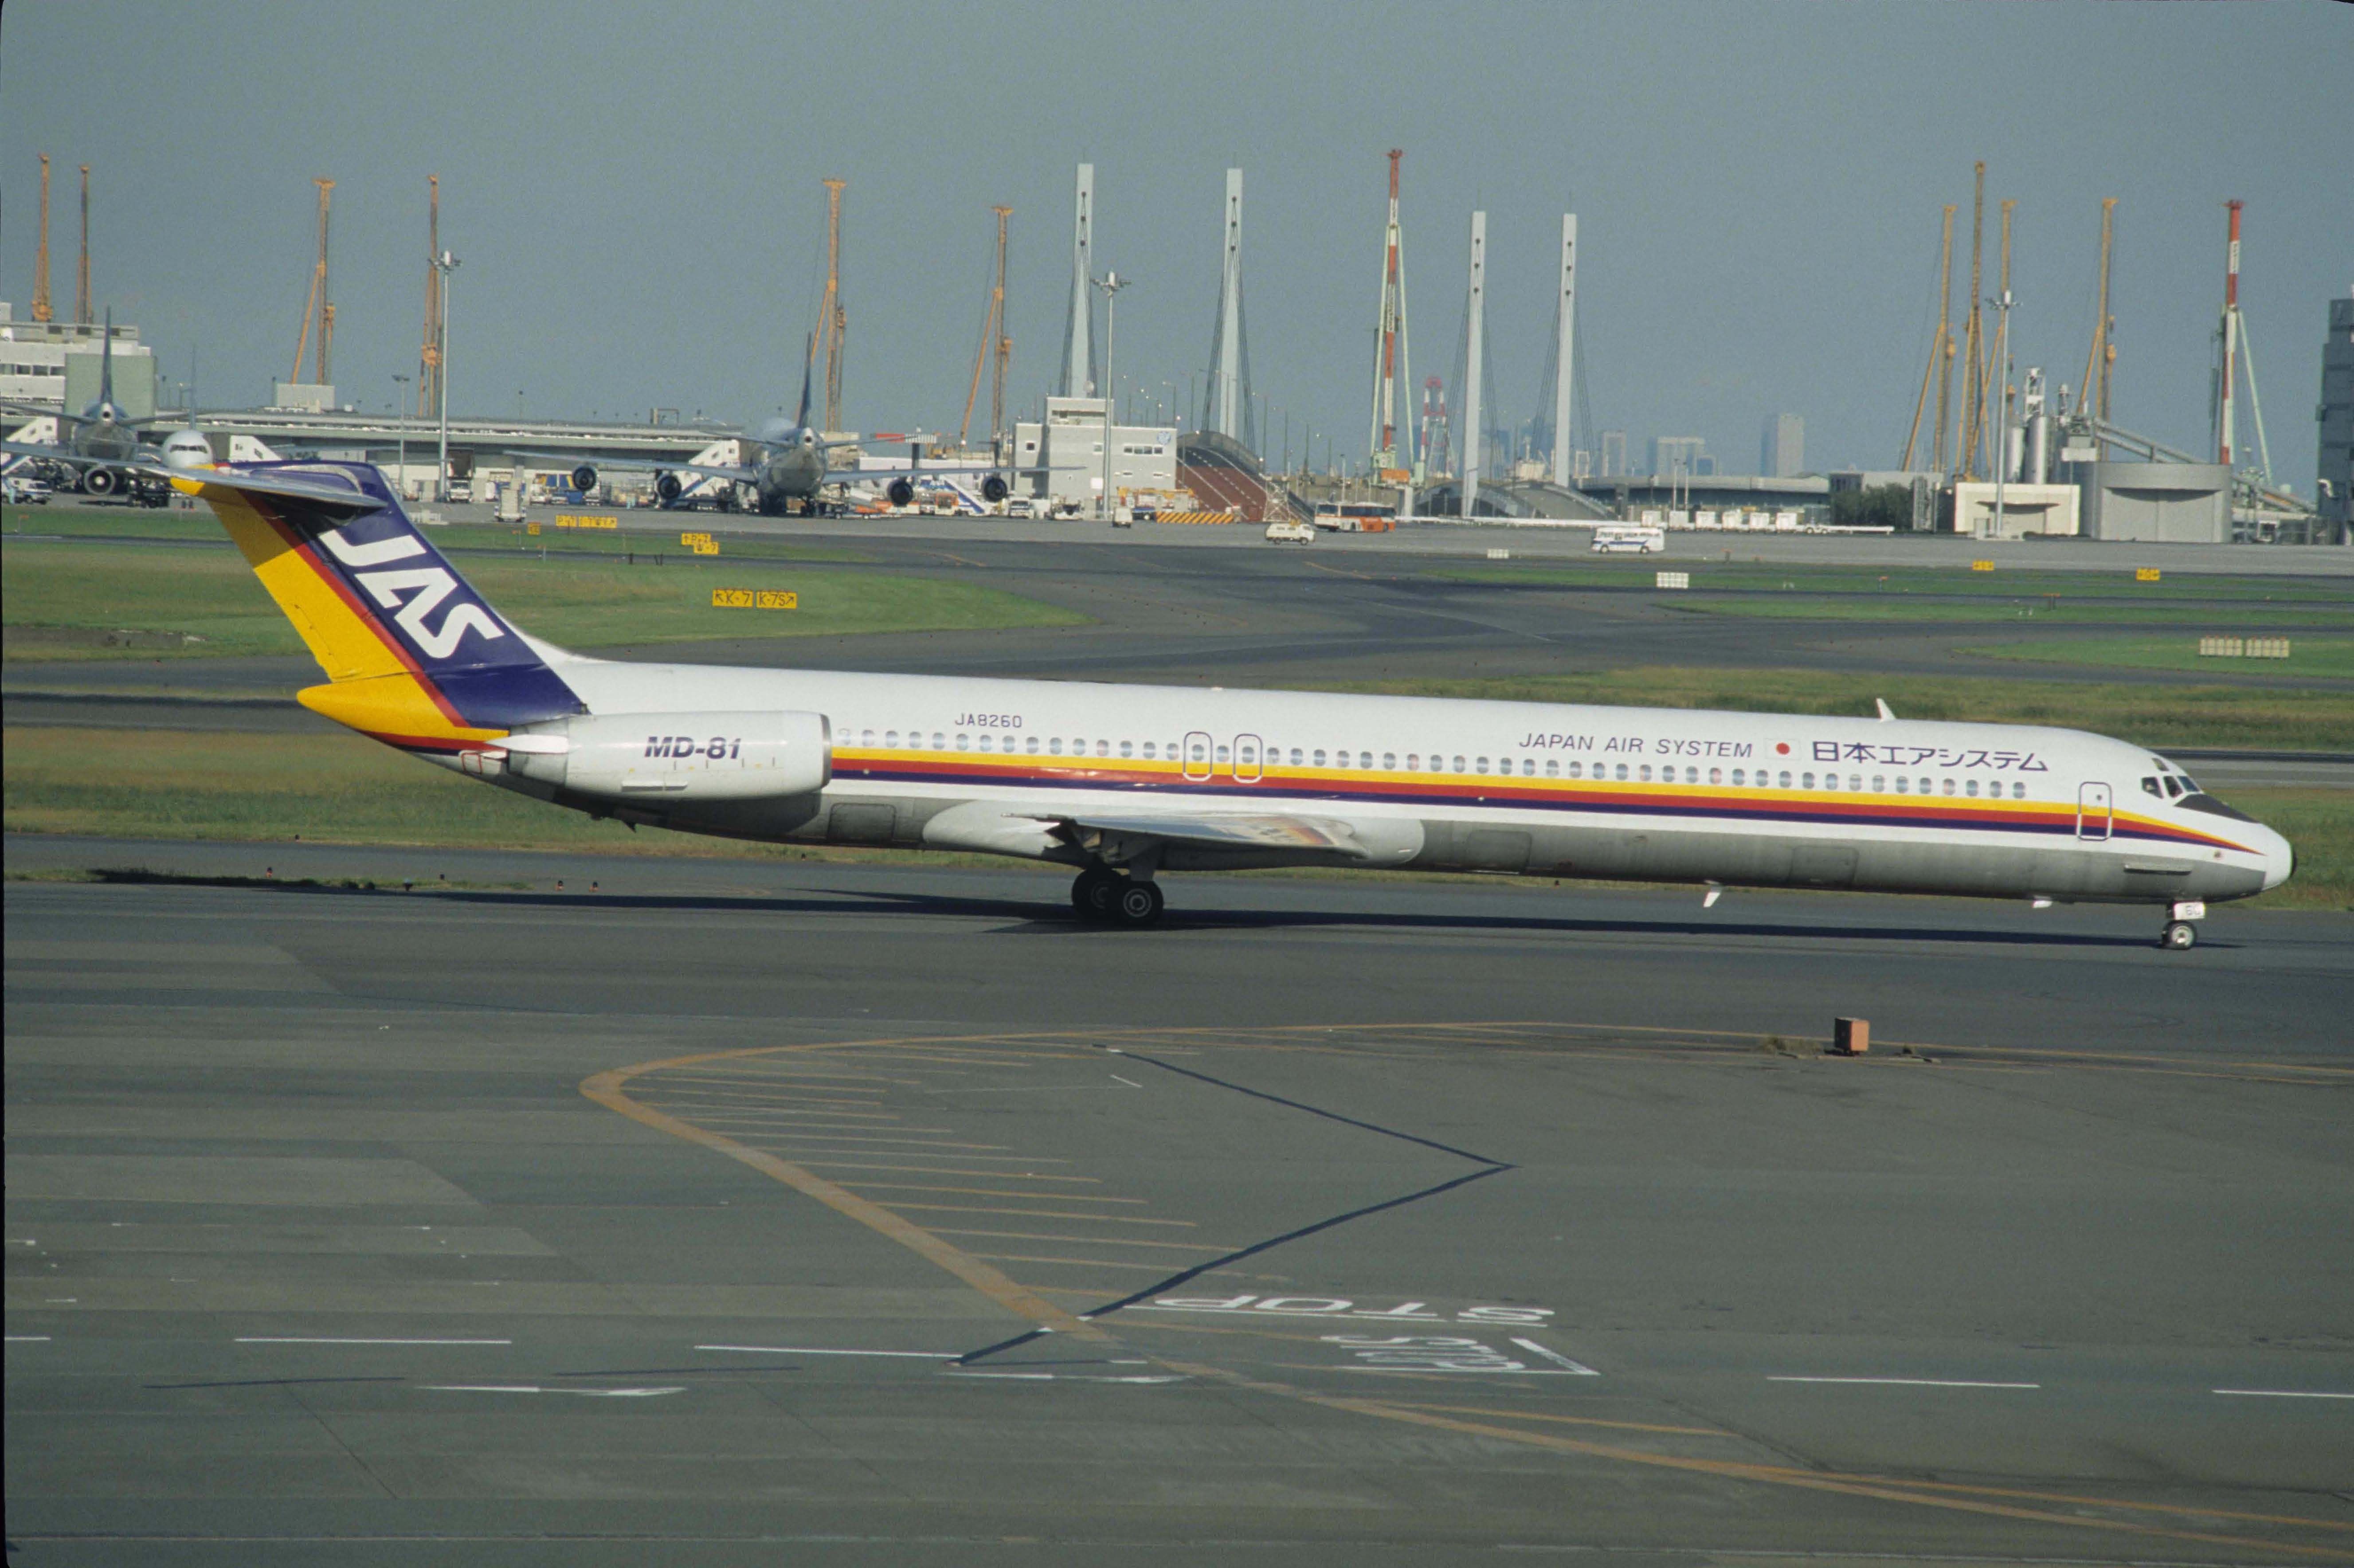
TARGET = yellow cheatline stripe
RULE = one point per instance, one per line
(609, 1090)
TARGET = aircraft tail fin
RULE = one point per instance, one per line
(413, 655)
(808, 362)
(106, 362)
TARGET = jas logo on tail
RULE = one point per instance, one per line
(426, 586)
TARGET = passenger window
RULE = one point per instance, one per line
(1809, 781)
(1577, 770)
(1365, 759)
(1480, 765)
(1226, 753)
(1786, 781)
(1645, 773)
(1249, 751)
(1528, 766)
(1739, 777)
(1295, 757)
(1128, 748)
(1148, 751)
(1691, 775)
(1103, 748)
(1622, 772)
(940, 741)
(1389, 761)
(1973, 788)
(1716, 775)
(891, 737)
(1925, 786)
(1320, 759)
(1552, 767)
(1855, 781)
(1458, 765)
(1900, 785)
(866, 737)
(964, 742)
(983, 745)
(1032, 747)
(1949, 786)
(1880, 783)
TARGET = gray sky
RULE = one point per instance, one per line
(634, 190)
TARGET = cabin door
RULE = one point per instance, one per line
(2093, 812)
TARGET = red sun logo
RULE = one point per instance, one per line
(1782, 748)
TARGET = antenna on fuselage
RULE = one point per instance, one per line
(1886, 714)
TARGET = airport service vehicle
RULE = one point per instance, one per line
(1629, 539)
(1122, 783)
(27, 492)
(1286, 531)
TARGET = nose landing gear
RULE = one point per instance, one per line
(2181, 936)
(1112, 899)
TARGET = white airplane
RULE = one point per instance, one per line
(1122, 783)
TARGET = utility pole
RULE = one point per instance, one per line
(400, 404)
(834, 320)
(2002, 401)
(1471, 360)
(1565, 326)
(41, 312)
(1111, 283)
(81, 270)
(443, 264)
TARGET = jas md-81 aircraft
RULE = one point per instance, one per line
(1122, 783)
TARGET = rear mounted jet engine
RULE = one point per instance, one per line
(677, 757)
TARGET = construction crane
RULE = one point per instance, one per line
(834, 320)
(1941, 354)
(1974, 345)
(41, 312)
(317, 309)
(995, 343)
(428, 358)
(2093, 395)
(82, 271)
(2231, 336)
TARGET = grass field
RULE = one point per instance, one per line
(2266, 718)
(2322, 655)
(1955, 581)
(337, 789)
(58, 596)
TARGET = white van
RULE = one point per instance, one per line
(1629, 539)
(1286, 531)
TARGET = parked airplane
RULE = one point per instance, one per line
(787, 464)
(103, 448)
(1122, 783)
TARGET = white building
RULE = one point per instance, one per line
(57, 364)
(1064, 457)
(2050, 510)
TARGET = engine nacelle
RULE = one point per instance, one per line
(899, 493)
(100, 481)
(657, 758)
(667, 488)
(992, 489)
(584, 478)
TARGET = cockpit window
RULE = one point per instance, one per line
(2213, 807)
(2149, 787)
(2173, 785)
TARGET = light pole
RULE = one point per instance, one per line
(1111, 283)
(444, 264)
(400, 402)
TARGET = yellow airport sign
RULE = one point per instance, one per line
(2145, 574)
(706, 546)
(754, 598)
(577, 520)
(691, 540)
(531, 527)
(1981, 566)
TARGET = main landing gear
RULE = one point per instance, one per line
(1114, 899)
(2181, 936)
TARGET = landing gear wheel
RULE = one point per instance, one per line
(1136, 904)
(2179, 937)
(1092, 894)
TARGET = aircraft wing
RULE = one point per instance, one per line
(146, 456)
(320, 492)
(929, 471)
(741, 475)
(1119, 837)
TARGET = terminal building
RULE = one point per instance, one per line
(1063, 459)
(57, 364)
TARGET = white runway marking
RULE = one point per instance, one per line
(527, 1388)
(808, 1350)
(2279, 1393)
(1908, 1381)
(303, 1340)
(1580, 1368)
(28, 1338)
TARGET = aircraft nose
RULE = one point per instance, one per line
(2280, 860)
